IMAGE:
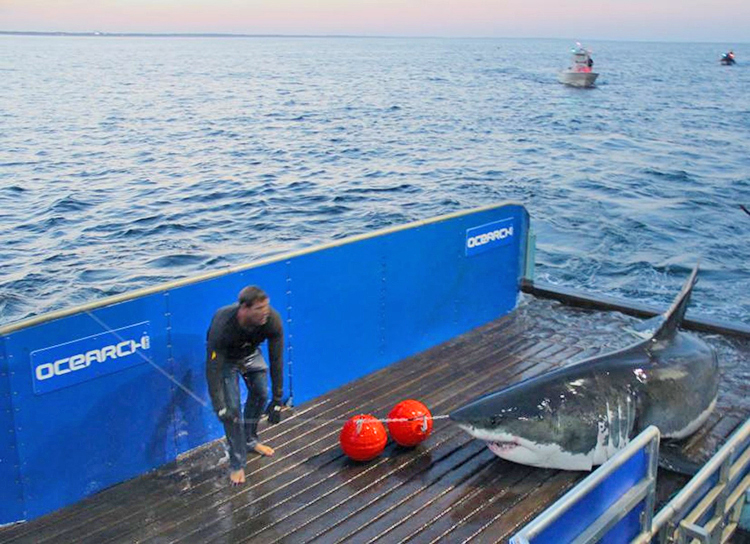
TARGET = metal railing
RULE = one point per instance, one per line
(706, 511)
(643, 490)
(708, 508)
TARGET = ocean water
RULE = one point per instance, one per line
(128, 162)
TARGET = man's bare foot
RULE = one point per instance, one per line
(263, 450)
(237, 477)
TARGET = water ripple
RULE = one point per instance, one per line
(133, 164)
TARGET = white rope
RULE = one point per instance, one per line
(292, 417)
(321, 420)
(149, 361)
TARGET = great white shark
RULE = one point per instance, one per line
(580, 416)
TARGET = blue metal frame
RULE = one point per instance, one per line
(711, 501)
(11, 490)
(81, 438)
(616, 502)
(82, 417)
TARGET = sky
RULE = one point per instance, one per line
(641, 20)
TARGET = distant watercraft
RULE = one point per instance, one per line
(579, 73)
(727, 59)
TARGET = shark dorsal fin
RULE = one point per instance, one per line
(644, 330)
(673, 317)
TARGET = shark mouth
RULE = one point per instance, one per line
(501, 444)
(502, 448)
(520, 450)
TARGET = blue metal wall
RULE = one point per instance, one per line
(11, 494)
(100, 396)
(593, 505)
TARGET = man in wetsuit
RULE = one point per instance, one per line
(233, 350)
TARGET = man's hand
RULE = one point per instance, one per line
(228, 416)
(274, 412)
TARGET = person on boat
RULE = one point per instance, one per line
(233, 350)
(728, 58)
(586, 67)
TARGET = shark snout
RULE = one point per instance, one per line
(480, 422)
(475, 412)
(487, 412)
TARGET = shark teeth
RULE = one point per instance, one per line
(499, 448)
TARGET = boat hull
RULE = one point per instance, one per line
(577, 79)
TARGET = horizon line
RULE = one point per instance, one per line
(100, 34)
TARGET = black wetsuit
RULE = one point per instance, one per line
(233, 351)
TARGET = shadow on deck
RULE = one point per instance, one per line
(449, 488)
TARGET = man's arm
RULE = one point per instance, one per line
(276, 356)
(215, 361)
(214, 377)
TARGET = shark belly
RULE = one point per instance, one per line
(694, 425)
(541, 455)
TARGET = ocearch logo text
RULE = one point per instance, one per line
(90, 357)
(491, 235)
(79, 361)
(499, 234)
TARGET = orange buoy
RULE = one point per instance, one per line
(410, 422)
(363, 437)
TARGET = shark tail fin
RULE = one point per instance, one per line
(673, 317)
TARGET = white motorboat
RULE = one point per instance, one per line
(579, 73)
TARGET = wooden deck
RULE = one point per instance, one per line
(450, 488)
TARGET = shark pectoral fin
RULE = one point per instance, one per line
(671, 458)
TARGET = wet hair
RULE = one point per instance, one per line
(252, 294)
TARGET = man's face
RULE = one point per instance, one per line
(255, 315)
